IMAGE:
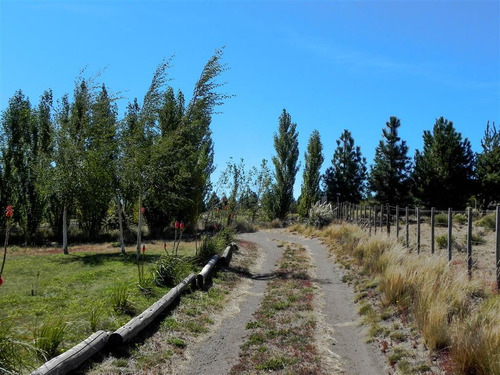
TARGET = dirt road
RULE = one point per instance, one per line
(343, 334)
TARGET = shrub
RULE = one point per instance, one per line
(119, 299)
(49, 336)
(487, 222)
(460, 218)
(442, 241)
(441, 219)
(171, 269)
(478, 239)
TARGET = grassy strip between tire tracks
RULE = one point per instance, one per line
(282, 336)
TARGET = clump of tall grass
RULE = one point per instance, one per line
(49, 336)
(450, 310)
(487, 221)
(171, 269)
(15, 355)
(476, 340)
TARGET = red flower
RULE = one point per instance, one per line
(143, 210)
(176, 225)
(143, 249)
(9, 211)
(182, 225)
(1, 280)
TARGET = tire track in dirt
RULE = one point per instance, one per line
(220, 352)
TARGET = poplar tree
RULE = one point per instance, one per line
(444, 169)
(345, 179)
(389, 176)
(286, 145)
(310, 192)
(488, 168)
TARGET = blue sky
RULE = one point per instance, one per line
(333, 65)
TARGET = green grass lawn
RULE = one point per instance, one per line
(42, 286)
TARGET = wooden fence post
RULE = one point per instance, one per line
(397, 221)
(450, 230)
(418, 229)
(407, 228)
(370, 221)
(388, 221)
(497, 243)
(375, 219)
(432, 231)
(381, 216)
(469, 241)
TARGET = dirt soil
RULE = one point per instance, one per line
(342, 336)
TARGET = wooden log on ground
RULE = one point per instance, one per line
(74, 357)
(137, 324)
(227, 255)
(202, 276)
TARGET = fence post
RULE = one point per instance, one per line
(375, 219)
(450, 230)
(469, 241)
(418, 229)
(432, 231)
(381, 216)
(407, 229)
(370, 221)
(388, 220)
(338, 206)
(397, 221)
(497, 242)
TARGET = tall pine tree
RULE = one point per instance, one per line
(310, 192)
(390, 174)
(488, 168)
(444, 170)
(346, 178)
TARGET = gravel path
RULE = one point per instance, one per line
(220, 352)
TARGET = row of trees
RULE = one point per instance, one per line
(445, 173)
(77, 159)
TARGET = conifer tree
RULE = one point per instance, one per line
(346, 178)
(488, 168)
(286, 145)
(390, 174)
(310, 192)
(444, 169)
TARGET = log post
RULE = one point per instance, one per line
(432, 230)
(397, 222)
(450, 229)
(469, 241)
(203, 275)
(74, 357)
(407, 224)
(497, 245)
(137, 324)
(418, 229)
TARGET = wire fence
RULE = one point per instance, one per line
(470, 237)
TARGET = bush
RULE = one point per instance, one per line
(441, 219)
(171, 269)
(461, 218)
(442, 241)
(487, 222)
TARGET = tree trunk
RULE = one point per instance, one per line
(120, 223)
(139, 229)
(65, 229)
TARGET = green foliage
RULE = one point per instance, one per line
(49, 336)
(120, 299)
(215, 245)
(442, 241)
(171, 269)
(15, 356)
(488, 173)
(487, 221)
(441, 219)
(286, 145)
(460, 219)
(390, 174)
(346, 178)
(444, 168)
(310, 192)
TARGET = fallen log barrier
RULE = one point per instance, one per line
(135, 325)
(74, 357)
(202, 276)
(226, 256)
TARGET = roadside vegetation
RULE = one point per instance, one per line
(282, 335)
(53, 301)
(406, 298)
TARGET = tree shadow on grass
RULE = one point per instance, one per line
(99, 259)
